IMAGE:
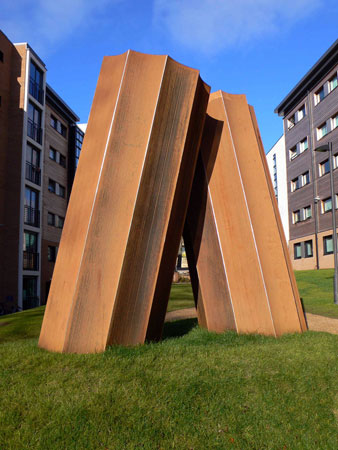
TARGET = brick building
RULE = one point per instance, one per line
(310, 114)
(39, 148)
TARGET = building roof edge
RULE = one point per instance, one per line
(309, 80)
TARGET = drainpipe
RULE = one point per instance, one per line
(314, 174)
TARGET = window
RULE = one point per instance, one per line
(302, 214)
(51, 186)
(297, 250)
(322, 131)
(335, 161)
(333, 83)
(301, 113)
(57, 157)
(308, 250)
(31, 207)
(62, 191)
(30, 241)
(34, 130)
(53, 122)
(60, 222)
(30, 297)
(291, 121)
(58, 126)
(300, 181)
(334, 122)
(324, 167)
(326, 205)
(36, 82)
(1, 56)
(52, 154)
(328, 245)
(296, 216)
(30, 248)
(33, 172)
(305, 178)
(319, 95)
(52, 252)
(295, 184)
(299, 148)
(62, 130)
(51, 219)
(307, 212)
(56, 188)
(293, 152)
(303, 145)
(78, 144)
(62, 161)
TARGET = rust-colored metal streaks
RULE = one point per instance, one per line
(233, 234)
(128, 204)
(142, 163)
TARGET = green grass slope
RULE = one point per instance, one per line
(316, 289)
(194, 390)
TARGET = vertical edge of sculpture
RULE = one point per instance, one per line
(249, 257)
(128, 205)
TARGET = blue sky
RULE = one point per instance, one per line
(260, 48)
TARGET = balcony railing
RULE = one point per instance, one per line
(33, 173)
(34, 131)
(36, 91)
(30, 260)
(30, 302)
(31, 216)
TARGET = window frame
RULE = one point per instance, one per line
(51, 186)
(324, 165)
(318, 97)
(334, 77)
(52, 221)
(325, 202)
(325, 240)
(297, 246)
(306, 253)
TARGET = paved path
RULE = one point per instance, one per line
(315, 323)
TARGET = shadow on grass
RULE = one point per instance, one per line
(178, 328)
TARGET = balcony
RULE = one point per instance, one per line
(30, 302)
(36, 91)
(31, 216)
(34, 131)
(30, 260)
(33, 173)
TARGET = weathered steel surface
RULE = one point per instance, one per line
(128, 205)
(282, 308)
(233, 233)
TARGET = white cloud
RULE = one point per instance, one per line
(44, 23)
(212, 25)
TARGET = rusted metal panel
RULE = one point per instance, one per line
(260, 295)
(225, 223)
(144, 127)
(276, 258)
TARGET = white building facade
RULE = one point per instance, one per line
(276, 159)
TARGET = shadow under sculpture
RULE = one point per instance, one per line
(240, 269)
(128, 204)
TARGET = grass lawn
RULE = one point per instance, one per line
(181, 297)
(194, 390)
(316, 289)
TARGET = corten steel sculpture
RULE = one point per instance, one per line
(240, 269)
(128, 204)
